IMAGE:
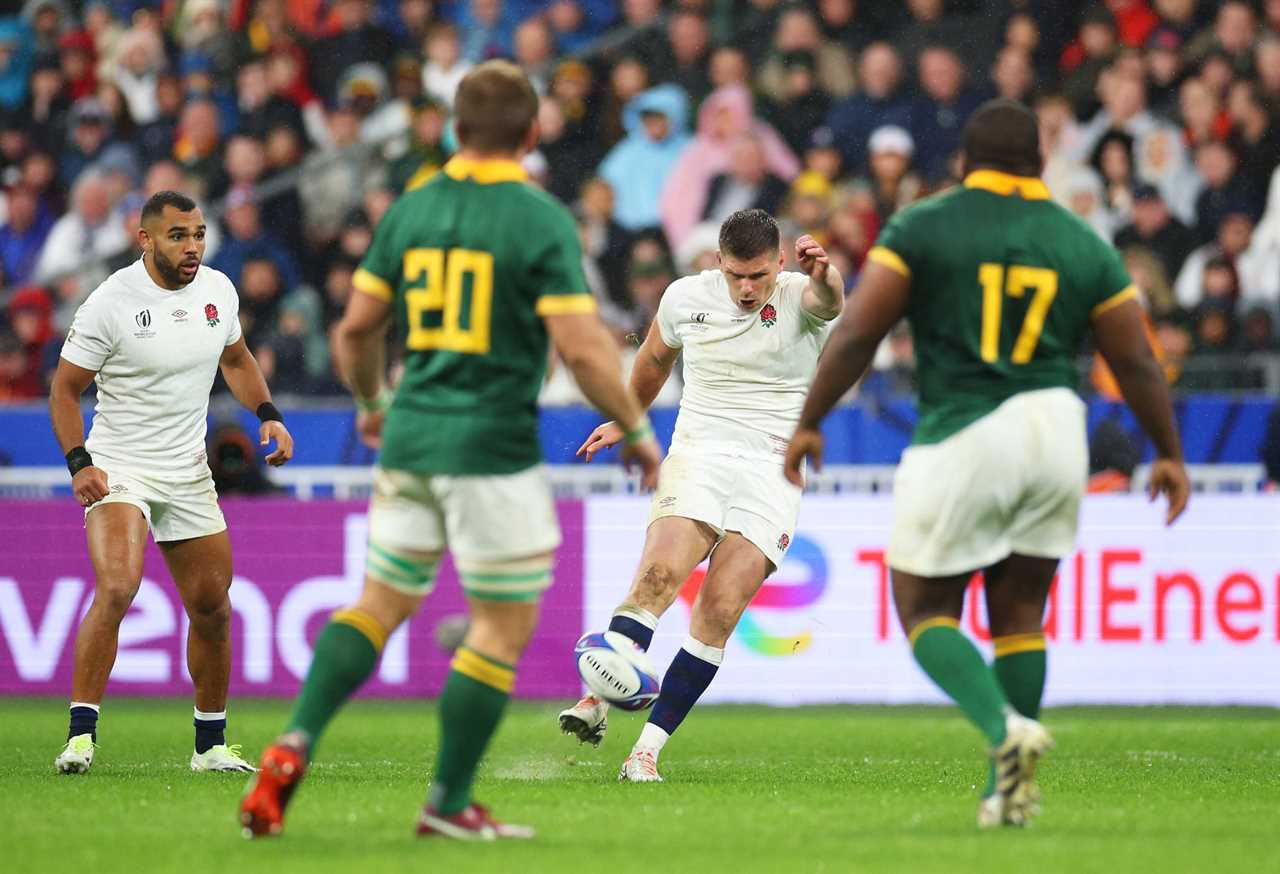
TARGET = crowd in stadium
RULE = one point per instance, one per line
(295, 123)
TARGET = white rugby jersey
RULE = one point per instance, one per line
(746, 375)
(156, 354)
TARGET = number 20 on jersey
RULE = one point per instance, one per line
(440, 280)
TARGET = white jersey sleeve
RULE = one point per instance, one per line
(234, 331)
(91, 339)
(669, 314)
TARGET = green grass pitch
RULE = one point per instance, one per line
(748, 789)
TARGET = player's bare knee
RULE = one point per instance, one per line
(112, 598)
(211, 616)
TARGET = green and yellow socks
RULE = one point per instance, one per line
(471, 706)
(1020, 667)
(345, 655)
(956, 666)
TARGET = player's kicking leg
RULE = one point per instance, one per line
(1016, 592)
(346, 653)
(117, 534)
(201, 569)
(929, 609)
(738, 569)
(673, 547)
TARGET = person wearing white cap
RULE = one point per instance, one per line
(893, 185)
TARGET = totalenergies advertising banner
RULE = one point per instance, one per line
(1140, 614)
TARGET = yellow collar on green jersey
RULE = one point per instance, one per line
(485, 172)
(1005, 184)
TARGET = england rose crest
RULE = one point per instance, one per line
(211, 313)
(784, 541)
(768, 315)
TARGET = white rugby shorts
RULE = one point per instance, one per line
(1011, 482)
(749, 496)
(174, 509)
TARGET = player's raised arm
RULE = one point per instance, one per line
(591, 354)
(89, 483)
(824, 296)
(1122, 339)
(875, 306)
(244, 378)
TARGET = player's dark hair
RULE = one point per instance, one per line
(154, 207)
(494, 107)
(749, 233)
(1002, 135)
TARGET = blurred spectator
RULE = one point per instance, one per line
(940, 112)
(1113, 160)
(604, 241)
(260, 109)
(142, 58)
(1087, 59)
(356, 40)
(628, 78)
(754, 26)
(83, 234)
(877, 102)
(261, 290)
(1257, 136)
(729, 66)
(800, 106)
(88, 134)
(23, 235)
(890, 180)
(747, 184)
(200, 28)
(233, 461)
(247, 239)
(18, 382)
(534, 51)
(336, 176)
(16, 57)
(1235, 29)
(933, 25)
(723, 118)
(1267, 57)
(1153, 281)
(649, 272)
(1164, 66)
(155, 139)
(30, 316)
(1155, 228)
(575, 23)
(830, 63)
(487, 30)
(1258, 330)
(1013, 77)
(1203, 119)
(639, 166)
(197, 147)
(47, 19)
(1224, 192)
(571, 154)
(445, 67)
(426, 153)
(684, 59)
(1085, 199)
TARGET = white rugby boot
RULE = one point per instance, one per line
(1015, 761)
(220, 757)
(640, 767)
(76, 756)
(586, 720)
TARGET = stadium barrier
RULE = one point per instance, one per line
(1140, 614)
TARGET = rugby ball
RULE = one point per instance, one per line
(617, 670)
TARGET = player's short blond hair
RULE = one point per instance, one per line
(494, 107)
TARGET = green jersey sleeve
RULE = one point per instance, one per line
(379, 272)
(557, 268)
(1113, 286)
(900, 245)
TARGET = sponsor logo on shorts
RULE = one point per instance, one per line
(211, 313)
(768, 315)
(119, 487)
(667, 502)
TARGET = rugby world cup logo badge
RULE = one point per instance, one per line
(768, 315)
(211, 313)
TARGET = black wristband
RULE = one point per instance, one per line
(267, 412)
(78, 459)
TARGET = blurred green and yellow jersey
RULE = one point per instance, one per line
(471, 262)
(1004, 283)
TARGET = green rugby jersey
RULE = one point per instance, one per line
(470, 262)
(1004, 283)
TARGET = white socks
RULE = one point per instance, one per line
(652, 738)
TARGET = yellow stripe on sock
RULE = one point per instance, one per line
(477, 667)
(363, 623)
(1012, 644)
(935, 622)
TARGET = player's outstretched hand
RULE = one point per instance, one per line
(273, 430)
(812, 257)
(1169, 477)
(89, 485)
(805, 443)
(648, 456)
(607, 435)
(369, 427)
